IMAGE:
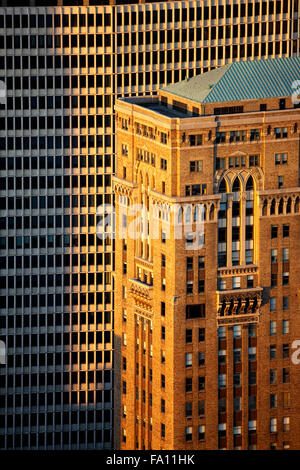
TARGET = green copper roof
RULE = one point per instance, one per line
(239, 81)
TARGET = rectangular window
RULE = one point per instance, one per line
(286, 375)
(201, 383)
(163, 137)
(273, 425)
(222, 430)
(237, 136)
(196, 166)
(188, 433)
(272, 351)
(249, 256)
(285, 351)
(285, 254)
(273, 376)
(250, 282)
(201, 286)
(188, 359)
(222, 380)
(273, 279)
(236, 379)
(252, 354)
(273, 400)
(201, 433)
(237, 331)
(286, 424)
(189, 287)
(273, 256)
(285, 278)
(272, 304)
(125, 150)
(285, 230)
(189, 264)
(195, 140)
(220, 137)
(272, 327)
(222, 357)
(201, 334)
(201, 358)
(274, 231)
(252, 378)
(236, 282)
(163, 164)
(286, 399)
(280, 132)
(220, 163)
(188, 409)
(254, 134)
(188, 336)
(252, 402)
(237, 404)
(195, 311)
(229, 110)
(281, 158)
(253, 160)
(285, 303)
(236, 355)
(252, 330)
(188, 384)
(222, 332)
(252, 427)
(201, 264)
(201, 408)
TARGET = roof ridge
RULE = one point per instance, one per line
(227, 67)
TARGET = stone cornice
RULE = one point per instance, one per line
(123, 187)
(237, 319)
(164, 199)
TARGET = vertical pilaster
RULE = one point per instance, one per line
(229, 230)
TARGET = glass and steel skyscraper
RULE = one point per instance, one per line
(62, 68)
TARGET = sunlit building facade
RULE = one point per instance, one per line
(62, 68)
(206, 265)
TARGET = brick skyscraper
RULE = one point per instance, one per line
(63, 67)
(207, 317)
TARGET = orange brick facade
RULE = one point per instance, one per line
(204, 337)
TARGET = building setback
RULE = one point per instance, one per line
(206, 298)
(63, 67)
